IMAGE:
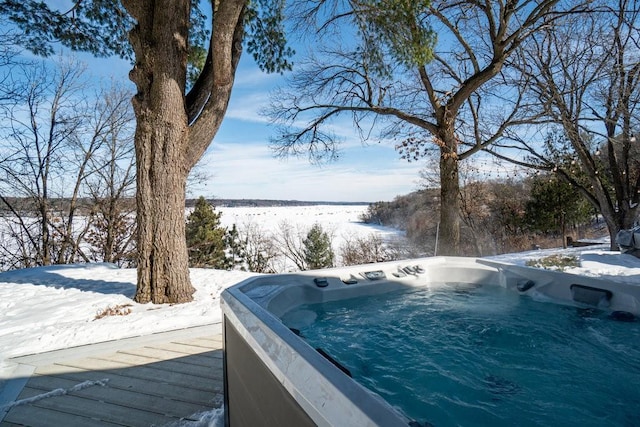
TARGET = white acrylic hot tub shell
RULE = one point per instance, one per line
(330, 398)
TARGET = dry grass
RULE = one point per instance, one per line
(555, 262)
(118, 310)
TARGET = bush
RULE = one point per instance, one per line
(555, 262)
(364, 250)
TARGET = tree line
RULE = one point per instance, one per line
(67, 167)
(498, 216)
(249, 247)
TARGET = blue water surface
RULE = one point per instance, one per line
(465, 355)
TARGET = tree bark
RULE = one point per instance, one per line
(163, 274)
(449, 195)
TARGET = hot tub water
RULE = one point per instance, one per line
(482, 355)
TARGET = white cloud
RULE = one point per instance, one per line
(247, 107)
(246, 170)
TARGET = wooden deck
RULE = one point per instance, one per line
(154, 380)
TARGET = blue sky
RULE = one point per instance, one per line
(240, 165)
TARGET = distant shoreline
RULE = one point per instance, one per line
(25, 204)
(267, 203)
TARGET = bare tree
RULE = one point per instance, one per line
(365, 249)
(111, 186)
(39, 125)
(584, 75)
(289, 243)
(433, 96)
(54, 138)
(260, 249)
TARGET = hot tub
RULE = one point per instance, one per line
(275, 377)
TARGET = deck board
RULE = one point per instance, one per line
(154, 353)
(147, 386)
(128, 398)
(24, 416)
(200, 342)
(143, 372)
(179, 348)
(174, 365)
(160, 381)
(204, 359)
(117, 414)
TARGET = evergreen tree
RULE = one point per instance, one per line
(236, 249)
(317, 249)
(554, 205)
(205, 237)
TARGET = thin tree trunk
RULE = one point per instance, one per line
(449, 198)
(44, 230)
(110, 228)
(563, 230)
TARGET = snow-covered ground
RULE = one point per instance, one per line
(48, 308)
(595, 261)
(341, 222)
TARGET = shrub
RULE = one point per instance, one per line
(555, 262)
(364, 250)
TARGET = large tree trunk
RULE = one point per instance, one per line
(162, 135)
(174, 130)
(622, 219)
(449, 239)
(163, 265)
(618, 213)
